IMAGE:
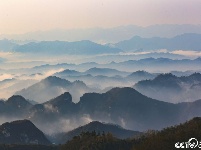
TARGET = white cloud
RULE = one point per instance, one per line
(187, 53)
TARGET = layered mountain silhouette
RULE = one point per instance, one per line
(93, 71)
(8, 87)
(187, 41)
(21, 132)
(171, 88)
(98, 82)
(109, 35)
(53, 86)
(68, 72)
(123, 106)
(61, 47)
(130, 65)
(105, 72)
(140, 75)
(105, 77)
(99, 128)
(156, 64)
(7, 45)
(131, 109)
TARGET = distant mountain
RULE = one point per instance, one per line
(98, 82)
(105, 71)
(140, 75)
(130, 65)
(96, 78)
(99, 127)
(162, 64)
(105, 77)
(62, 47)
(21, 132)
(187, 41)
(7, 45)
(51, 87)
(109, 35)
(8, 87)
(182, 73)
(68, 72)
(141, 54)
(171, 88)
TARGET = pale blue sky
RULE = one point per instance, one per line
(21, 16)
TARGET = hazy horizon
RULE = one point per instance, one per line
(18, 17)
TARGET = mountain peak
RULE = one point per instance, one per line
(166, 76)
(62, 99)
(100, 127)
(118, 90)
(69, 72)
(196, 74)
(140, 73)
(79, 83)
(21, 132)
(17, 122)
(18, 101)
(53, 80)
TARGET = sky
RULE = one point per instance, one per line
(22, 16)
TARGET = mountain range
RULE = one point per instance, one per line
(141, 75)
(123, 106)
(62, 47)
(101, 78)
(7, 45)
(94, 71)
(74, 82)
(171, 88)
(53, 86)
(149, 64)
(8, 87)
(187, 41)
(162, 64)
(108, 35)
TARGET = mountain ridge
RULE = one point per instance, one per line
(187, 41)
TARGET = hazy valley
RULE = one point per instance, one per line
(126, 91)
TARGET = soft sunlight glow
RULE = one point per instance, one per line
(21, 16)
